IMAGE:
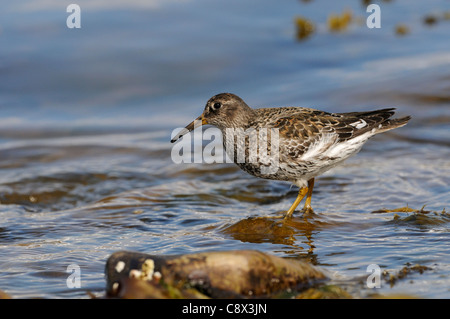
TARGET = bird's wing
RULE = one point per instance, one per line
(314, 131)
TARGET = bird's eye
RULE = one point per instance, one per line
(217, 106)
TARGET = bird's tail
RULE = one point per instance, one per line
(392, 124)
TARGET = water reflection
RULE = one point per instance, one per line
(295, 234)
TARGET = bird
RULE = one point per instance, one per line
(299, 143)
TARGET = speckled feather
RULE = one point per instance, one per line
(310, 141)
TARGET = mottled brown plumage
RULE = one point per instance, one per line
(309, 142)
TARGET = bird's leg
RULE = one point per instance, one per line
(301, 193)
(307, 208)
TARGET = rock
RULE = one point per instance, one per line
(4, 295)
(222, 274)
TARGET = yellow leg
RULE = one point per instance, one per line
(304, 191)
(307, 208)
(301, 193)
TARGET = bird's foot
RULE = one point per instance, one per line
(306, 211)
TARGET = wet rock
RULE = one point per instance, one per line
(325, 292)
(227, 274)
(4, 295)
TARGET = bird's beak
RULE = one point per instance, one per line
(199, 121)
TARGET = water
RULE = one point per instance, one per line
(86, 117)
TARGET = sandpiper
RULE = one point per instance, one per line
(310, 141)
